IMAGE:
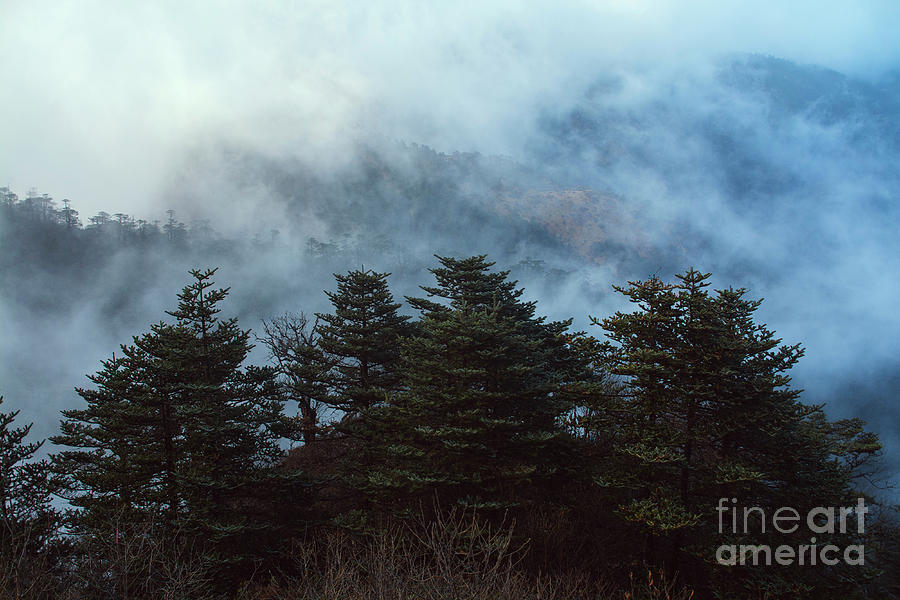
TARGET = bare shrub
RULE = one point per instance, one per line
(26, 565)
(128, 559)
(454, 557)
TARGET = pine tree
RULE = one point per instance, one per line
(362, 337)
(178, 429)
(231, 417)
(705, 411)
(119, 467)
(28, 522)
(484, 392)
(469, 282)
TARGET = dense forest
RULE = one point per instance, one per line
(471, 449)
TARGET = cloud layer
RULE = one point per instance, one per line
(103, 100)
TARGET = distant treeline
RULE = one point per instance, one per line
(41, 215)
(476, 451)
(114, 259)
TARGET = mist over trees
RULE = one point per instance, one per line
(479, 429)
(402, 438)
(438, 334)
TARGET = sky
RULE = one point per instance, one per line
(104, 100)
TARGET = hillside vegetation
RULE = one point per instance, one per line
(476, 450)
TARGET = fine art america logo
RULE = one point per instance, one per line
(786, 520)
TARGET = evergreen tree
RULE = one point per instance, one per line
(705, 412)
(231, 416)
(119, 466)
(469, 284)
(176, 428)
(28, 522)
(362, 337)
(484, 392)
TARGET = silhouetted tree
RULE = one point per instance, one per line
(305, 370)
(362, 335)
(177, 427)
(478, 420)
(70, 215)
(705, 412)
(28, 522)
